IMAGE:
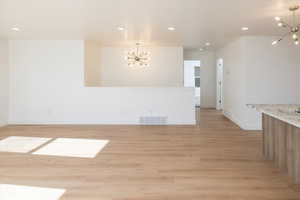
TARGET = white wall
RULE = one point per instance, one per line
(255, 72)
(208, 75)
(234, 81)
(4, 82)
(47, 86)
(165, 70)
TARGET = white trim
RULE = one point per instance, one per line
(219, 89)
(96, 123)
(233, 119)
(3, 125)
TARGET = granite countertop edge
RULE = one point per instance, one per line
(284, 112)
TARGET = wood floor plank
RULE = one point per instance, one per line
(212, 160)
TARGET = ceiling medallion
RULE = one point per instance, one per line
(137, 57)
(293, 27)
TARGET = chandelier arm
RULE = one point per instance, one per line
(292, 26)
(285, 35)
(138, 57)
(286, 24)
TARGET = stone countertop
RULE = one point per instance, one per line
(286, 113)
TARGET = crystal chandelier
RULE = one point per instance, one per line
(293, 27)
(137, 57)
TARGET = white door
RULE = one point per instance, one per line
(220, 84)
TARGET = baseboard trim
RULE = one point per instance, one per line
(96, 123)
(3, 125)
(233, 119)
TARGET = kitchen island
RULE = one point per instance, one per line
(281, 137)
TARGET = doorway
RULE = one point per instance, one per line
(192, 78)
(220, 67)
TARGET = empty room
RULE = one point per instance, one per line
(149, 100)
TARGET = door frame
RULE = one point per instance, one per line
(220, 83)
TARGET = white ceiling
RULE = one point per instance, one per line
(196, 21)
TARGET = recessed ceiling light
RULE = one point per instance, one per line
(15, 29)
(121, 28)
(201, 49)
(171, 29)
(245, 28)
(207, 44)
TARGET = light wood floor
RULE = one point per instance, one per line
(212, 161)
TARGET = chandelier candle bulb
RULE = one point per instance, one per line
(295, 36)
(274, 42)
(277, 19)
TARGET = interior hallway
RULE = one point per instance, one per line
(213, 160)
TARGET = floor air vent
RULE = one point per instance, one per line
(153, 120)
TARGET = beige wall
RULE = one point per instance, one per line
(92, 63)
(107, 67)
(208, 75)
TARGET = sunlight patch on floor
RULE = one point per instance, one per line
(15, 192)
(84, 148)
(18, 144)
